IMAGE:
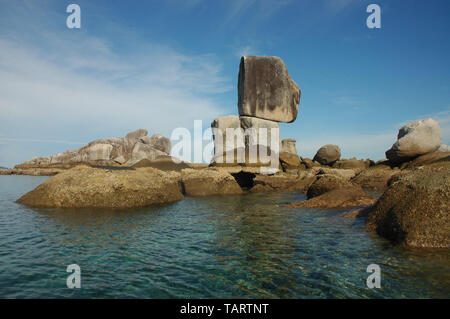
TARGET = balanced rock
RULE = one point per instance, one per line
(414, 210)
(328, 154)
(265, 89)
(414, 139)
(84, 187)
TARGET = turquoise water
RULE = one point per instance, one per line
(215, 247)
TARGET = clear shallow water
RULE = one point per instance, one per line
(213, 247)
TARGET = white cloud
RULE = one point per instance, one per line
(77, 87)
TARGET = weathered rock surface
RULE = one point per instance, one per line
(353, 163)
(210, 181)
(376, 178)
(352, 196)
(158, 142)
(283, 182)
(289, 161)
(414, 139)
(164, 163)
(288, 146)
(265, 89)
(328, 154)
(260, 133)
(219, 126)
(427, 159)
(415, 209)
(135, 146)
(326, 183)
(83, 187)
(443, 148)
(358, 212)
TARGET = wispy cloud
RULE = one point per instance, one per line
(65, 87)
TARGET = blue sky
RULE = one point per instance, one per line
(163, 64)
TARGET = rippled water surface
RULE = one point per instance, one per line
(214, 247)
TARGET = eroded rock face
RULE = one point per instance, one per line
(427, 159)
(415, 209)
(135, 146)
(328, 154)
(353, 163)
(289, 161)
(414, 139)
(84, 187)
(208, 182)
(265, 89)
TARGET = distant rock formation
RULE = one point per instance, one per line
(415, 139)
(134, 147)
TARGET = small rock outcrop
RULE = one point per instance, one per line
(328, 154)
(265, 89)
(414, 210)
(207, 182)
(377, 178)
(415, 139)
(352, 196)
(88, 187)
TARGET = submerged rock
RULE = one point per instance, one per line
(415, 209)
(265, 89)
(83, 187)
(414, 139)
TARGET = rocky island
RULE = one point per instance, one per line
(137, 170)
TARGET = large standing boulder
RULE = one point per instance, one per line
(265, 89)
(224, 145)
(84, 187)
(260, 133)
(414, 139)
(328, 154)
(415, 209)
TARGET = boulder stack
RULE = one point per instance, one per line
(266, 95)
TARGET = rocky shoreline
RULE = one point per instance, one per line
(137, 170)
